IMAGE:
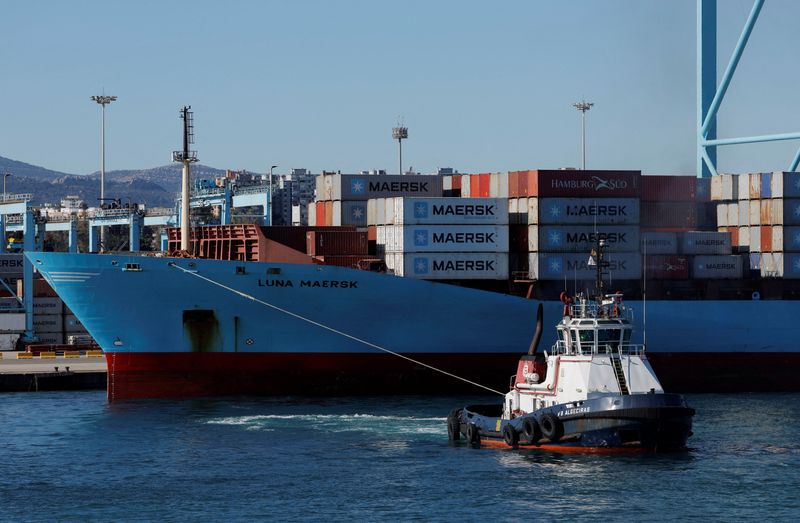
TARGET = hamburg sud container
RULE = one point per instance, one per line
(452, 266)
(581, 238)
(583, 184)
(442, 211)
(448, 238)
(363, 187)
(717, 267)
(576, 266)
(666, 267)
(705, 242)
(605, 211)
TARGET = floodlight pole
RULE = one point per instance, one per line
(103, 100)
(583, 106)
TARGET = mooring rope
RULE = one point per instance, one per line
(331, 329)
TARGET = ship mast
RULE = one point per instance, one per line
(598, 259)
(186, 157)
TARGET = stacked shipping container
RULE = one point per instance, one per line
(762, 213)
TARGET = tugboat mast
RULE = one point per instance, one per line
(600, 263)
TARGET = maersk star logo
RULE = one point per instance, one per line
(797, 211)
(796, 265)
(420, 266)
(554, 238)
(420, 210)
(358, 213)
(555, 212)
(358, 185)
(797, 184)
(796, 240)
(421, 238)
(555, 265)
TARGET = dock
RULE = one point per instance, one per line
(48, 371)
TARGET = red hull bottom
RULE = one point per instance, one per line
(164, 375)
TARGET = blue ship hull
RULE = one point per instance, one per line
(285, 328)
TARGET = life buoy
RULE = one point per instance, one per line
(552, 428)
(454, 425)
(566, 299)
(531, 430)
(510, 436)
(473, 436)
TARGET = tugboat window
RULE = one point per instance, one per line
(608, 340)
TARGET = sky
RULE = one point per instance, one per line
(481, 86)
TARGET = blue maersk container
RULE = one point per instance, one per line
(766, 185)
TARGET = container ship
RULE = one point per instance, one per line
(399, 277)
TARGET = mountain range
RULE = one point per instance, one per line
(155, 187)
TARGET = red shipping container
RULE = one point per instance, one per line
(588, 184)
(528, 183)
(331, 243)
(484, 182)
(320, 213)
(766, 238)
(513, 184)
(295, 236)
(667, 267)
(669, 188)
(680, 215)
(457, 182)
(372, 233)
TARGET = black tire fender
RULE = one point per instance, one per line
(531, 430)
(510, 435)
(552, 428)
(454, 425)
(473, 436)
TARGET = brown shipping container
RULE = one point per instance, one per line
(320, 213)
(588, 184)
(513, 184)
(528, 183)
(342, 260)
(329, 213)
(666, 267)
(457, 182)
(682, 215)
(766, 238)
(295, 237)
(669, 188)
(329, 243)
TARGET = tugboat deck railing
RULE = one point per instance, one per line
(587, 348)
(594, 310)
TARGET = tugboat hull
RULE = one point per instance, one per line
(635, 423)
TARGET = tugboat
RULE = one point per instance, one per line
(594, 391)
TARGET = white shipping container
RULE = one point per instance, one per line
(785, 184)
(319, 187)
(717, 267)
(380, 239)
(730, 186)
(778, 244)
(48, 306)
(372, 211)
(312, 213)
(755, 238)
(452, 266)
(755, 185)
(582, 238)
(451, 238)
(744, 236)
(513, 210)
(391, 245)
(447, 183)
(706, 242)
(465, 186)
(744, 213)
(660, 242)
(744, 187)
(733, 214)
(498, 185)
(602, 211)
(575, 266)
(722, 215)
(755, 212)
(54, 338)
(457, 211)
(12, 322)
(48, 322)
(380, 211)
(531, 212)
(716, 189)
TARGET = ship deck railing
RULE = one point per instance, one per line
(588, 348)
(605, 311)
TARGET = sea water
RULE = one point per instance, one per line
(73, 456)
